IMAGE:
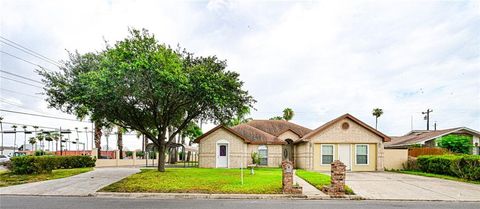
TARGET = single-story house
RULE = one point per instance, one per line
(428, 138)
(345, 138)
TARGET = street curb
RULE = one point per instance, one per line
(197, 196)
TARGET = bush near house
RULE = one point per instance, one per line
(45, 164)
(456, 143)
(462, 166)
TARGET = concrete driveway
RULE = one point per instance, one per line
(84, 184)
(395, 186)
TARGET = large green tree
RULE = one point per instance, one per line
(142, 85)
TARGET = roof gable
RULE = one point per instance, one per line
(278, 127)
(197, 140)
(345, 116)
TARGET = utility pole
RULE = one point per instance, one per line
(435, 125)
(427, 117)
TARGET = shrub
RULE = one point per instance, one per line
(47, 163)
(411, 164)
(462, 166)
(39, 153)
(456, 143)
(128, 153)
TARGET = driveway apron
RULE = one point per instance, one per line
(79, 185)
(396, 186)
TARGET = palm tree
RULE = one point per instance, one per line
(377, 112)
(32, 141)
(86, 137)
(35, 127)
(24, 137)
(40, 137)
(288, 114)
(55, 136)
(14, 139)
(1, 130)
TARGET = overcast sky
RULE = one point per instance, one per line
(320, 58)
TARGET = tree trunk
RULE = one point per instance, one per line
(161, 158)
(120, 141)
(376, 122)
(97, 137)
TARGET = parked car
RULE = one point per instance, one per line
(4, 159)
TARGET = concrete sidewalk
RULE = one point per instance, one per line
(308, 190)
(85, 184)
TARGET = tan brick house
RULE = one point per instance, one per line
(346, 138)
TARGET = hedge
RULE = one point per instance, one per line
(47, 163)
(462, 166)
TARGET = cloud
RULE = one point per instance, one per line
(321, 58)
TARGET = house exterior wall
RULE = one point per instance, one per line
(303, 155)
(355, 134)
(395, 158)
(237, 150)
(274, 154)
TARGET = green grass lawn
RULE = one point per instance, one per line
(318, 180)
(8, 178)
(419, 173)
(201, 180)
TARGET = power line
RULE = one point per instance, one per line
(17, 92)
(45, 116)
(29, 62)
(10, 123)
(29, 51)
(20, 82)
(21, 76)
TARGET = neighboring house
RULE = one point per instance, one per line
(428, 138)
(345, 138)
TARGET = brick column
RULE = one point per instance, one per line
(287, 179)
(337, 187)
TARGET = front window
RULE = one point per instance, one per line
(327, 154)
(362, 154)
(263, 154)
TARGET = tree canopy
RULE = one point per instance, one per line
(456, 143)
(142, 85)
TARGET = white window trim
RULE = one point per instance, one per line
(218, 143)
(368, 154)
(321, 154)
(258, 150)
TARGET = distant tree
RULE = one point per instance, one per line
(143, 85)
(377, 112)
(240, 117)
(276, 118)
(24, 137)
(15, 137)
(288, 114)
(32, 140)
(192, 131)
(40, 137)
(456, 143)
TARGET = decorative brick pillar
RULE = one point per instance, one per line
(337, 187)
(287, 179)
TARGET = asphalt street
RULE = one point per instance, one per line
(50, 202)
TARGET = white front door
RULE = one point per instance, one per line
(344, 154)
(222, 155)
